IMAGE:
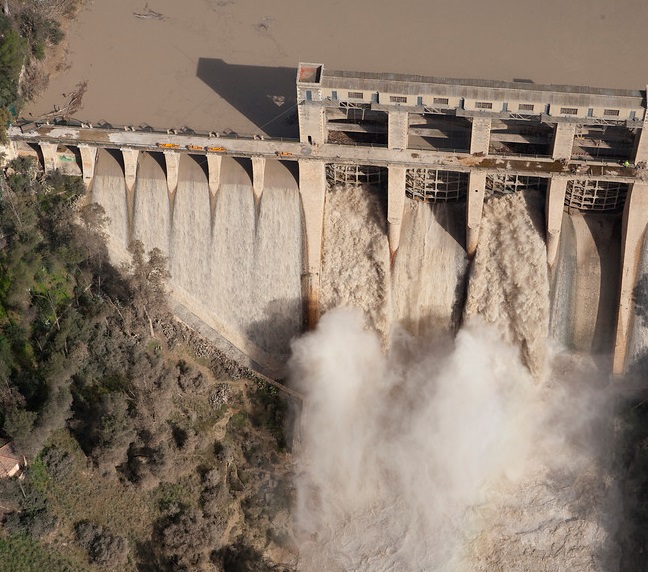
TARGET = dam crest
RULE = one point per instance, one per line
(253, 227)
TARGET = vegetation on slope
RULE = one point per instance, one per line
(26, 31)
(148, 449)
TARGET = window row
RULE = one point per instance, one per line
(522, 107)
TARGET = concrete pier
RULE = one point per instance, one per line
(88, 160)
(641, 147)
(50, 157)
(395, 205)
(554, 208)
(480, 135)
(130, 157)
(214, 170)
(397, 129)
(563, 141)
(635, 222)
(312, 188)
(474, 210)
(258, 177)
(172, 162)
(312, 125)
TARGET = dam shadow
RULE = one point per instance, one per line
(265, 95)
(279, 326)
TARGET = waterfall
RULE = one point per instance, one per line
(190, 240)
(429, 269)
(109, 190)
(509, 285)
(235, 265)
(355, 255)
(152, 212)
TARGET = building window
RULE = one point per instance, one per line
(419, 100)
(483, 105)
(356, 95)
(633, 115)
(374, 98)
(441, 100)
(611, 112)
(309, 95)
(334, 95)
(526, 107)
(569, 111)
(397, 99)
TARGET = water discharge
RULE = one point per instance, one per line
(429, 271)
(486, 451)
(509, 285)
(446, 427)
(235, 262)
(355, 255)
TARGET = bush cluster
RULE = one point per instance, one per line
(102, 546)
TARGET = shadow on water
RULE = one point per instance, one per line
(117, 155)
(159, 159)
(535, 207)
(265, 95)
(640, 299)
(201, 161)
(605, 231)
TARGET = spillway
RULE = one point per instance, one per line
(487, 452)
(450, 401)
(585, 283)
(509, 284)
(235, 260)
(109, 190)
(429, 270)
(355, 254)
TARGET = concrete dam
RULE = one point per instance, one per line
(401, 194)
(491, 240)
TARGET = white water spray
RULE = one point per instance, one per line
(440, 458)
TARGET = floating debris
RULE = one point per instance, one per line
(149, 14)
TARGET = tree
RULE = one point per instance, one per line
(103, 547)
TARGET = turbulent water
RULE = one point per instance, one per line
(429, 271)
(509, 285)
(485, 451)
(423, 291)
(447, 457)
(355, 255)
(447, 426)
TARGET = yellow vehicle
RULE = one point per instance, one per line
(282, 154)
(168, 146)
(195, 148)
(216, 149)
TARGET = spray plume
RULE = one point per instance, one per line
(409, 460)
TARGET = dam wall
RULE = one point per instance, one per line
(383, 191)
